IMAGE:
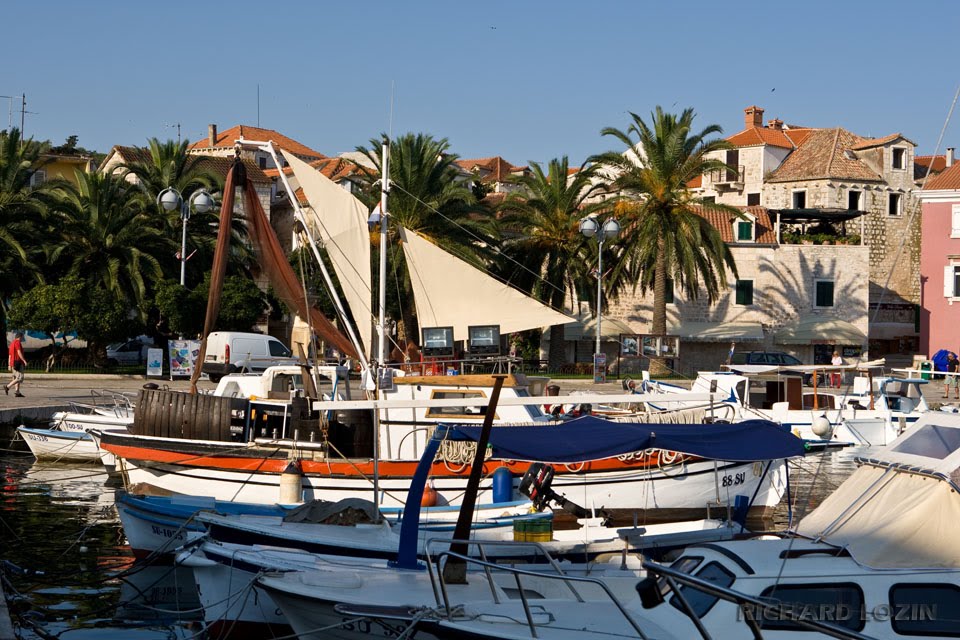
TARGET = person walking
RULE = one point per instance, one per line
(17, 365)
(836, 377)
(952, 381)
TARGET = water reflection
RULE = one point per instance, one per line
(68, 565)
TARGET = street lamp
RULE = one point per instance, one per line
(169, 200)
(590, 227)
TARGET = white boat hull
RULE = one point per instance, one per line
(60, 446)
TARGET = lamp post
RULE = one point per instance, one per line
(169, 200)
(590, 227)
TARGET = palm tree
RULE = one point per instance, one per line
(107, 239)
(549, 256)
(21, 209)
(426, 196)
(663, 235)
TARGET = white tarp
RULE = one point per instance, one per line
(339, 221)
(891, 519)
(718, 331)
(820, 330)
(449, 292)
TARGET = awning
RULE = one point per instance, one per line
(820, 330)
(816, 215)
(891, 330)
(592, 438)
(610, 329)
(718, 331)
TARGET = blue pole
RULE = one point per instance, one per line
(410, 525)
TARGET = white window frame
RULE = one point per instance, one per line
(748, 218)
(955, 221)
(950, 273)
(899, 211)
(793, 198)
(816, 282)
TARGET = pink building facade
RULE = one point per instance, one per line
(940, 263)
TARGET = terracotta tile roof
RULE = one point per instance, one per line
(933, 164)
(695, 183)
(216, 164)
(783, 138)
(948, 180)
(823, 155)
(226, 140)
(334, 168)
(799, 135)
(722, 221)
(868, 143)
(494, 169)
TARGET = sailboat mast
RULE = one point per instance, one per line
(384, 227)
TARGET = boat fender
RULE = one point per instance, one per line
(502, 485)
(822, 427)
(429, 498)
(291, 484)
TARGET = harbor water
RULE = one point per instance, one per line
(71, 575)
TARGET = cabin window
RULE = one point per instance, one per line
(701, 602)
(931, 441)
(799, 199)
(745, 292)
(840, 604)
(823, 292)
(899, 158)
(925, 609)
(460, 412)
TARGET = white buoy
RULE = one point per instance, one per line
(822, 427)
(291, 484)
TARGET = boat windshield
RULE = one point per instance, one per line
(535, 411)
(931, 441)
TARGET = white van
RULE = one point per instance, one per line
(233, 351)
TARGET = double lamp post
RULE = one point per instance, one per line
(610, 229)
(170, 200)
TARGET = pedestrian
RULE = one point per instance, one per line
(952, 380)
(18, 364)
(836, 377)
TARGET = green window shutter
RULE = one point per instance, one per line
(824, 293)
(669, 294)
(744, 231)
(745, 292)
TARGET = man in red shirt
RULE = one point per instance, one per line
(18, 365)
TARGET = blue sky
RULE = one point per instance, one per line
(526, 80)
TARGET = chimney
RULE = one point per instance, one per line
(212, 135)
(752, 117)
(776, 123)
(949, 156)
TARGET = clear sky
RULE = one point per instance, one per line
(526, 80)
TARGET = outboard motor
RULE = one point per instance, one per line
(535, 484)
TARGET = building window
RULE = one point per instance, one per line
(753, 199)
(744, 231)
(951, 281)
(824, 293)
(38, 178)
(799, 199)
(894, 204)
(262, 162)
(744, 292)
(853, 200)
(899, 158)
(709, 199)
(669, 294)
(955, 221)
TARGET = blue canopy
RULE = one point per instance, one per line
(592, 438)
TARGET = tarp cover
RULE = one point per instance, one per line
(592, 438)
(718, 331)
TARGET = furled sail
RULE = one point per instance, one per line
(340, 222)
(450, 292)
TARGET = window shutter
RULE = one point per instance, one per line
(955, 220)
(948, 291)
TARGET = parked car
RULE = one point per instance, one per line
(777, 359)
(235, 351)
(127, 353)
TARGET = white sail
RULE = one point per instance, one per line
(450, 292)
(340, 221)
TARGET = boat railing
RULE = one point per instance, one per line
(435, 564)
(754, 609)
(120, 403)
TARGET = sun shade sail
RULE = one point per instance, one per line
(591, 438)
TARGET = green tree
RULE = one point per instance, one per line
(21, 210)
(105, 238)
(663, 236)
(549, 256)
(426, 196)
(73, 304)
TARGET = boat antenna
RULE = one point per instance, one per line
(384, 228)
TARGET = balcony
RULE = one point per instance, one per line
(726, 180)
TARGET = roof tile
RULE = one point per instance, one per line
(823, 155)
(227, 139)
(948, 180)
(723, 222)
(219, 165)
